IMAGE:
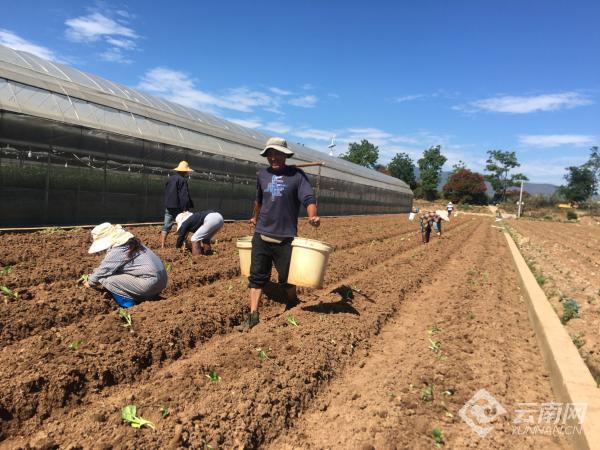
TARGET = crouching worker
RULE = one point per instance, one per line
(203, 224)
(280, 190)
(130, 271)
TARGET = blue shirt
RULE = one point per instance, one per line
(177, 195)
(281, 194)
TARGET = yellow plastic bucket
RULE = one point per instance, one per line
(244, 246)
(308, 263)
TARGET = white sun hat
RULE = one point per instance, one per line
(182, 217)
(106, 236)
(279, 144)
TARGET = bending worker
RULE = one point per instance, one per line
(203, 224)
(130, 271)
(280, 190)
(177, 198)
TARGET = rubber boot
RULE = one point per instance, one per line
(291, 297)
(196, 249)
(163, 239)
(249, 323)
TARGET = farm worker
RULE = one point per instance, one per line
(203, 224)
(425, 224)
(177, 198)
(280, 190)
(436, 221)
(130, 271)
(449, 208)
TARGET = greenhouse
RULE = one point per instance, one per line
(79, 149)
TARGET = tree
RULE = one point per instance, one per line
(581, 184)
(363, 154)
(465, 186)
(593, 164)
(499, 163)
(402, 167)
(430, 166)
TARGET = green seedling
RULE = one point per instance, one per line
(129, 416)
(52, 230)
(541, 279)
(470, 316)
(435, 345)
(570, 310)
(263, 353)
(213, 376)
(126, 317)
(292, 321)
(164, 412)
(433, 330)
(438, 436)
(8, 293)
(75, 344)
(427, 393)
(578, 340)
(168, 267)
(83, 278)
(5, 270)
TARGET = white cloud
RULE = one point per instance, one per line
(308, 101)
(313, 133)
(279, 91)
(528, 104)
(16, 42)
(555, 140)
(99, 28)
(407, 98)
(277, 127)
(307, 86)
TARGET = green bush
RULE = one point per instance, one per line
(571, 215)
(570, 310)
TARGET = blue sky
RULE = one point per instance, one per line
(469, 75)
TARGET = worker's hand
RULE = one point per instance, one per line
(86, 284)
(315, 221)
(252, 222)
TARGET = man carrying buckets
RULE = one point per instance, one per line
(280, 190)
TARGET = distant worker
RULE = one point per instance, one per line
(425, 224)
(177, 198)
(449, 208)
(203, 225)
(130, 271)
(280, 190)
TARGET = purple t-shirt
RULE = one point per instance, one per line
(281, 195)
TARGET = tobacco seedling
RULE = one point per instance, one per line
(168, 267)
(75, 344)
(438, 436)
(292, 321)
(5, 270)
(263, 353)
(435, 345)
(83, 278)
(164, 411)
(433, 330)
(8, 293)
(128, 414)
(126, 317)
(427, 393)
(570, 310)
(213, 376)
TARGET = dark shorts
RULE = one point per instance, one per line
(170, 214)
(264, 255)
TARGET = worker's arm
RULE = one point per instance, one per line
(255, 213)
(313, 218)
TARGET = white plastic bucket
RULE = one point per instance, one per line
(308, 263)
(244, 246)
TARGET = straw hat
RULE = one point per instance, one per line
(106, 236)
(183, 167)
(182, 217)
(279, 144)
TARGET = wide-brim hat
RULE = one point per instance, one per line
(182, 217)
(278, 144)
(106, 236)
(183, 167)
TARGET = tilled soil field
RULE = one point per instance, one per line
(565, 258)
(350, 374)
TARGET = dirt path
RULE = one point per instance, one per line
(486, 342)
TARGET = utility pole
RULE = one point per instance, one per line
(520, 201)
